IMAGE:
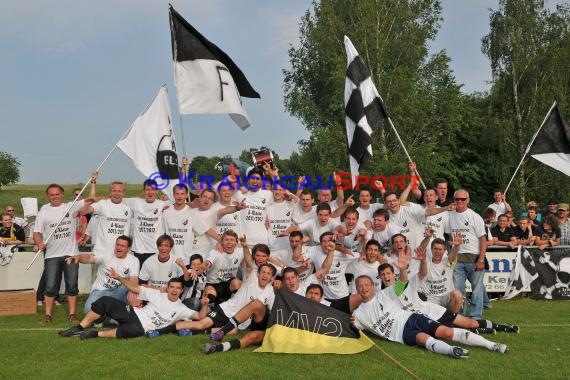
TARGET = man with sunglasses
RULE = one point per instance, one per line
(21, 222)
(471, 256)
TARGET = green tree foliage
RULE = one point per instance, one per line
(419, 90)
(9, 169)
(529, 49)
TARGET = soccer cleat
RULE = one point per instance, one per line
(509, 328)
(217, 336)
(72, 331)
(500, 347)
(185, 332)
(460, 353)
(46, 319)
(153, 334)
(484, 330)
(208, 348)
(89, 334)
(72, 318)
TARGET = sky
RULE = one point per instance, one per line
(75, 74)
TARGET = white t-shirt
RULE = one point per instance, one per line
(62, 242)
(248, 291)
(304, 284)
(436, 223)
(126, 267)
(224, 265)
(160, 312)
(113, 221)
(158, 273)
(366, 214)
(383, 317)
(300, 216)
(409, 300)
(286, 256)
(500, 209)
(280, 218)
(385, 237)
(350, 241)
(334, 283)
(410, 218)
(439, 280)
(314, 230)
(252, 218)
(202, 242)
(360, 268)
(226, 222)
(147, 219)
(470, 225)
(180, 225)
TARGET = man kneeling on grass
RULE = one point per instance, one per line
(162, 309)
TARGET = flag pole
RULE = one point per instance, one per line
(402, 144)
(77, 197)
(529, 146)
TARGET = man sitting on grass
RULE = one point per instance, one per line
(162, 309)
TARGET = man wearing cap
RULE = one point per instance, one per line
(564, 224)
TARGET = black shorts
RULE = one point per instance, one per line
(262, 325)
(218, 317)
(447, 318)
(223, 292)
(418, 323)
(342, 304)
(129, 324)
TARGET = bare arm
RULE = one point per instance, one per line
(457, 238)
(132, 286)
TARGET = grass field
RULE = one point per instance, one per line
(32, 350)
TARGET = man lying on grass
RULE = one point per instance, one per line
(162, 309)
(380, 315)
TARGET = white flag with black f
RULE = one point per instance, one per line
(206, 78)
(364, 109)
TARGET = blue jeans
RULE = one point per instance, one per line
(119, 293)
(54, 268)
(466, 271)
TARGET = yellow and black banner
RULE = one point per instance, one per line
(298, 325)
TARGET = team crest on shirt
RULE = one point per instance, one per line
(263, 201)
(126, 213)
(443, 273)
(439, 219)
(172, 314)
(405, 298)
(405, 224)
(185, 222)
(155, 211)
(67, 215)
(288, 213)
(235, 216)
(235, 261)
(466, 223)
(126, 271)
(170, 274)
(338, 265)
(251, 298)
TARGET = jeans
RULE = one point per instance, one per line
(54, 267)
(466, 271)
(119, 293)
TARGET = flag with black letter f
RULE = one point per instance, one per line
(364, 109)
(206, 78)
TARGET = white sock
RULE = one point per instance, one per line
(226, 346)
(472, 339)
(438, 346)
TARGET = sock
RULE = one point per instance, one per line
(170, 329)
(226, 346)
(467, 337)
(80, 327)
(232, 324)
(485, 323)
(500, 327)
(438, 346)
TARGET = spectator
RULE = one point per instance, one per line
(22, 222)
(548, 235)
(11, 233)
(503, 234)
(523, 232)
(552, 208)
(500, 205)
(564, 224)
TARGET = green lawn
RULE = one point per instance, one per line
(32, 350)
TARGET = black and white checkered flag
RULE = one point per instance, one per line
(364, 109)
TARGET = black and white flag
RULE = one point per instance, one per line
(551, 146)
(206, 78)
(364, 109)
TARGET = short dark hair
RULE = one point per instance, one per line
(388, 193)
(289, 270)
(296, 233)
(373, 242)
(323, 206)
(51, 185)
(488, 212)
(267, 265)
(126, 238)
(327, 233)
(439, 241)
(385, 266)
(196, 256)
(230, 233)
(180, 186)
(261, 248)
(315, 286)
(381, 212)
(396, 235)
(163, 238)
(150, 183)
(351, 210)
(176, 279)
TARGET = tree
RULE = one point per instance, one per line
(419, 90)
(528, 48)
(9, 169)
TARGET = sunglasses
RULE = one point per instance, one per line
(460, 199)
(10, 210)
